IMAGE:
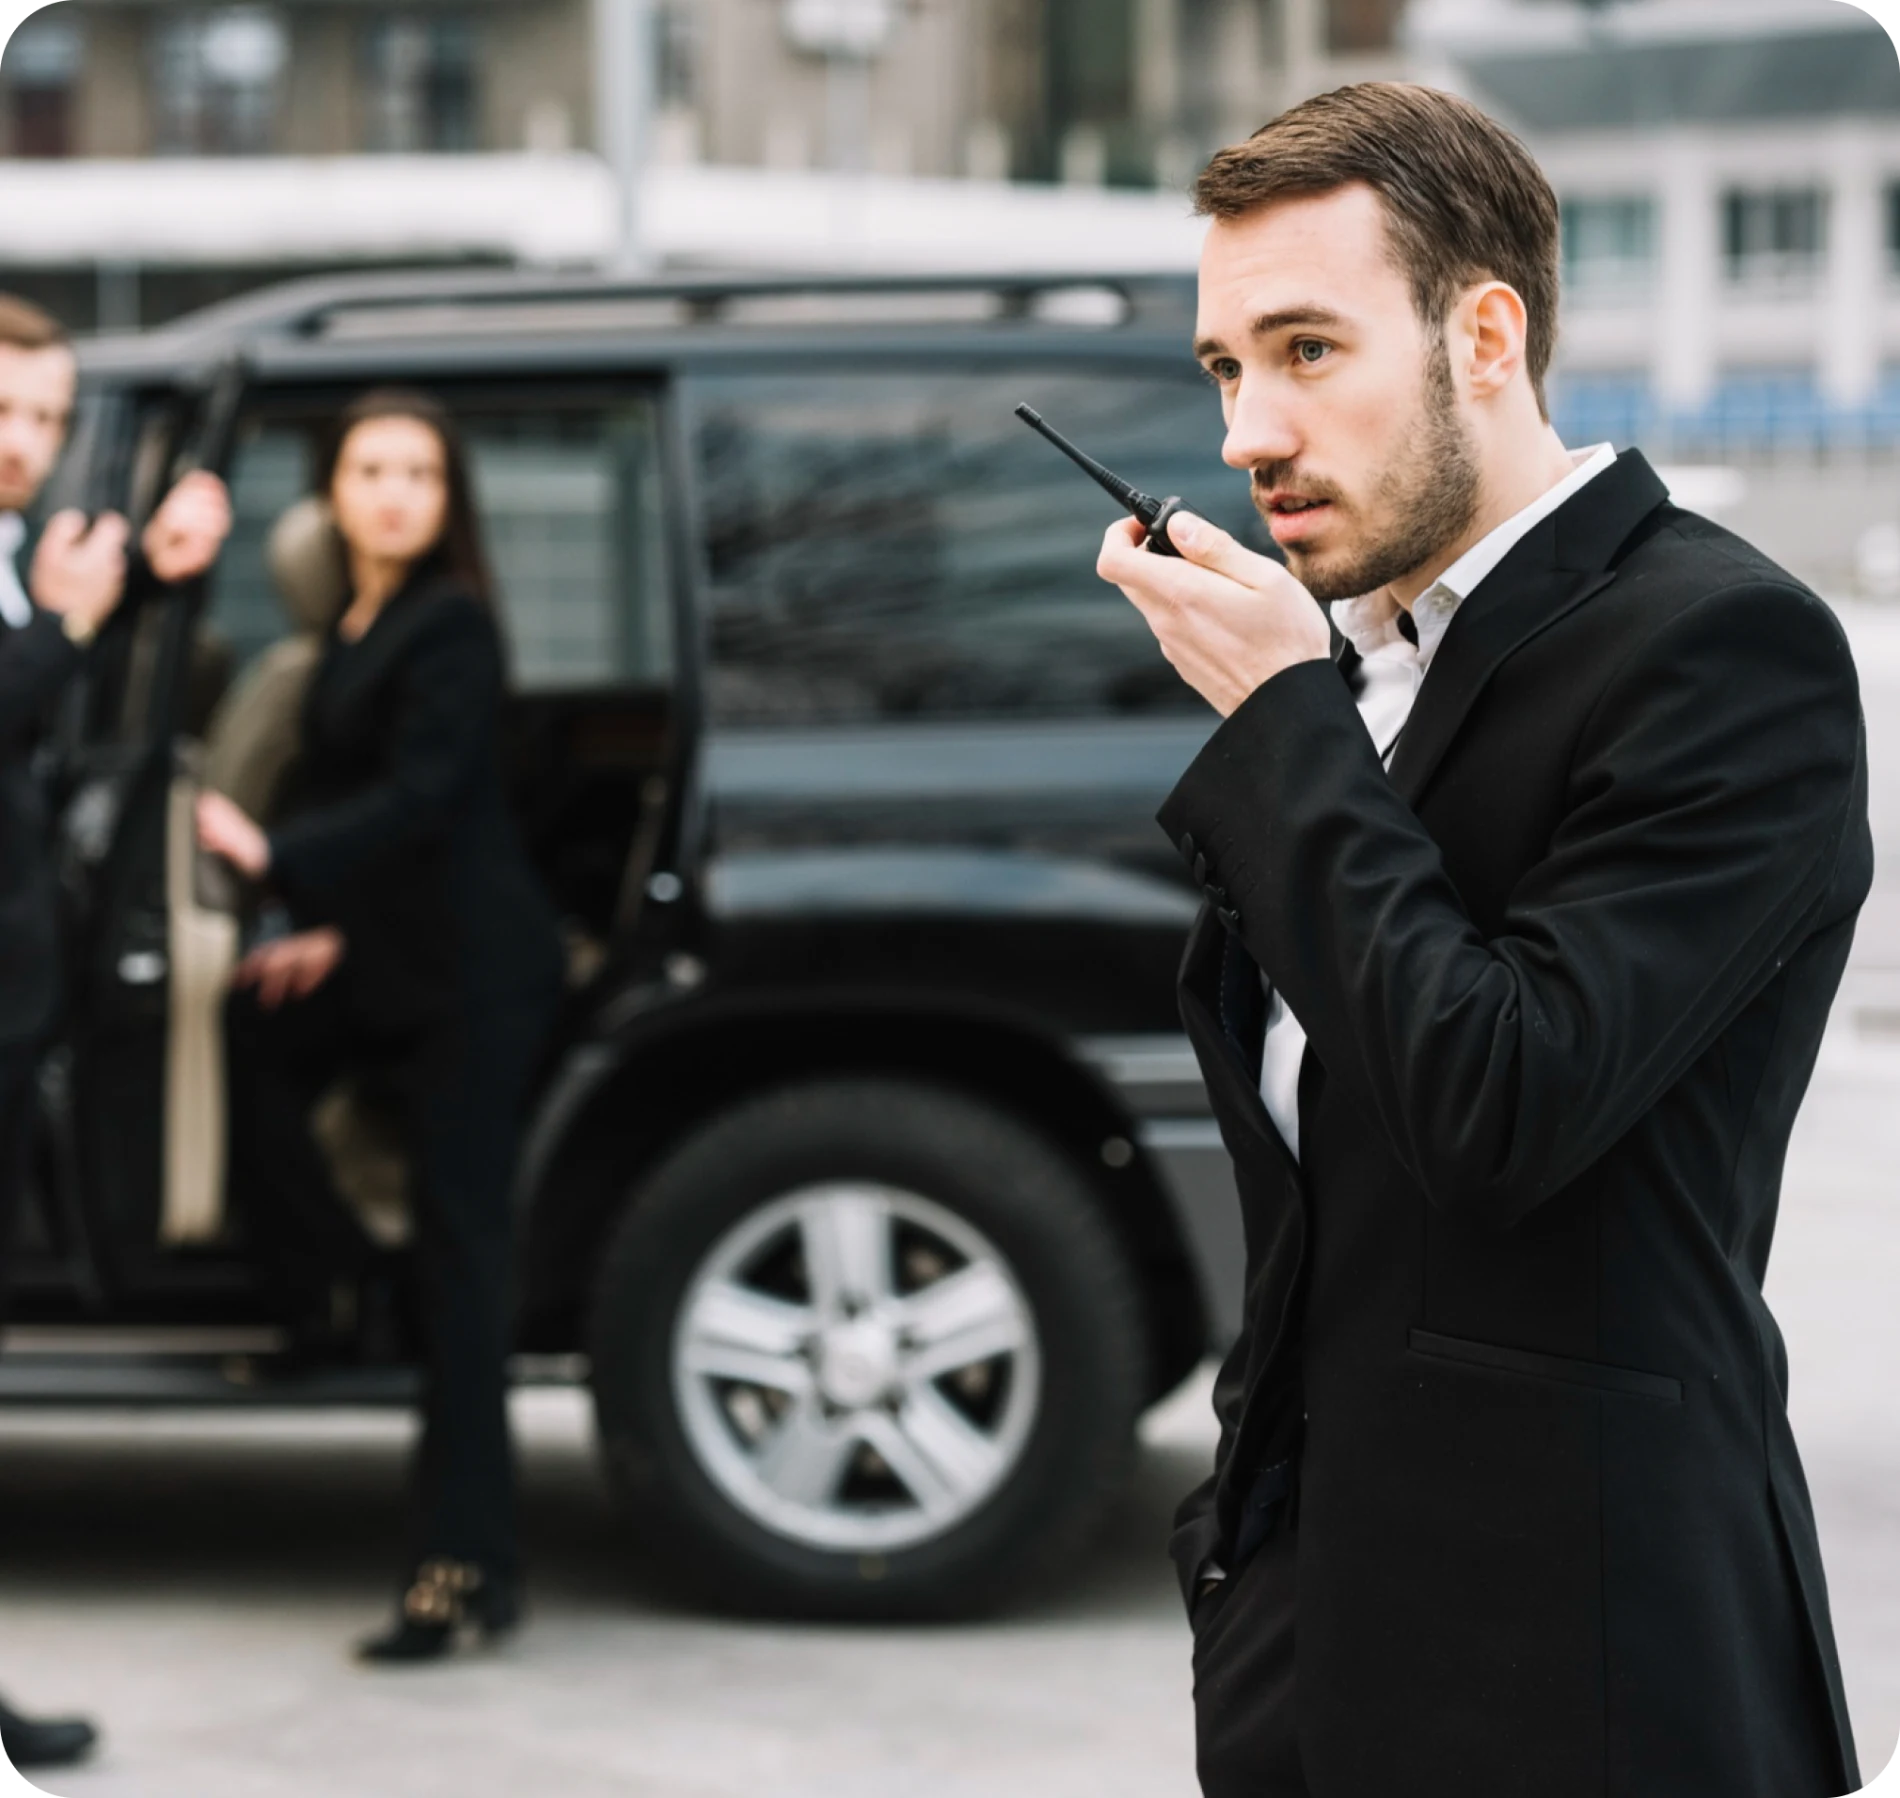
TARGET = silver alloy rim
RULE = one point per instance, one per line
(856, 1367)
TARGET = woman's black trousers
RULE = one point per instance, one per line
(461, 1092)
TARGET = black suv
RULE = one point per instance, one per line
(869, 1180)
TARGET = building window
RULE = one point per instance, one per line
(218, 76)
(1604, 406)
(1893, 228)
(1361, 27)
(422, 91)
(1763, 412)
(41, 72)
(676, 77)
(1609, 248)
(1089, 86)
(1774, 237)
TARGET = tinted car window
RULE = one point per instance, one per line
(570, 509)
(890, 545)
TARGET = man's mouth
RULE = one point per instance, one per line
(1291, 516)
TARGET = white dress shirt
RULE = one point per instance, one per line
(1395, 668)
(15, 608)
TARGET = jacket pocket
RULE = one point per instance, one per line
(1527, 1364)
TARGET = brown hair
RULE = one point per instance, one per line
(1464, 201)
(458, 555)
(25, 326)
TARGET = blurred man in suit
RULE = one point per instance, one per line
(1531, 874)
(54, 597)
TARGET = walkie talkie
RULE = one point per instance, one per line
(1153, 513)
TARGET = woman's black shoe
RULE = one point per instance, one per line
(44, 1741)
(447, 1600)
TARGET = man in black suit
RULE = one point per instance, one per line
(49, 615)
(1530, 879)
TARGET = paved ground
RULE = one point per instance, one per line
(195, 1581)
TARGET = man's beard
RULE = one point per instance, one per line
(17, 489)
(1422, 502)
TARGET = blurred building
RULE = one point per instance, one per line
(156, 156)
(1130, 92)
(1730, 178)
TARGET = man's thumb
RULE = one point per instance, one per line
(1208, 546)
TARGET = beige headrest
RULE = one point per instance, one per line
(307, 564)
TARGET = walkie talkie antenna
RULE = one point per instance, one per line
(1131, 497)
(1153, 513)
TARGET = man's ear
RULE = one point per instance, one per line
(1493, 322)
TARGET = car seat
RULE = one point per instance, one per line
(249, 748)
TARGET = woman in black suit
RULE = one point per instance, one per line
(424, 947)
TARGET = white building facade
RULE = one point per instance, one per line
(1729, 172)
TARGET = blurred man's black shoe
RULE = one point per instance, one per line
(45, 1742)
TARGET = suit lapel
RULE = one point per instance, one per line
(1345, 657)
(1502, 615)
(1551, 571)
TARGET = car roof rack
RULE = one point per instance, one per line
(436, 303)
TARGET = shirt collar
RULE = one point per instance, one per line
(1370, 622)
(16, 610)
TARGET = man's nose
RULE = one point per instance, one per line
(1259, 431)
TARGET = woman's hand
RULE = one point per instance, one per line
(224, 830)
(187, 531)
(292, 967)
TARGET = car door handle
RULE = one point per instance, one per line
(143, 967)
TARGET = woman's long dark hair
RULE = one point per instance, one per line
(458, 554)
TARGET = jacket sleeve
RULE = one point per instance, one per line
(450, 686)
(1712, 790)
(35, 662)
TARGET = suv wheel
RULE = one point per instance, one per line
(866, 1348)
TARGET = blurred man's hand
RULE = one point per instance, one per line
(187, 531)
(293, 967)
(226, 829)
(1228, 619)
(79, 569)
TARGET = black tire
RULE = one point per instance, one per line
(996, 1175)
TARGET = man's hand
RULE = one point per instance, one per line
(292, 967)
(224, 828)
(187, 531)
(1229, 620)
(79, 569)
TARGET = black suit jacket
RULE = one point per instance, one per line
(1564, 975)
(35, 663)
(399, 832)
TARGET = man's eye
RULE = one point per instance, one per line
(1310, 350)
(1224, 369)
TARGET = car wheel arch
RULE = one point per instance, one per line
(630, 1102)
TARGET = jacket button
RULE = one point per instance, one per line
(1200, 870)
(1229, 917)
(1217, 894)
(1187, 845)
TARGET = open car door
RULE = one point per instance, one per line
(149, 948)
